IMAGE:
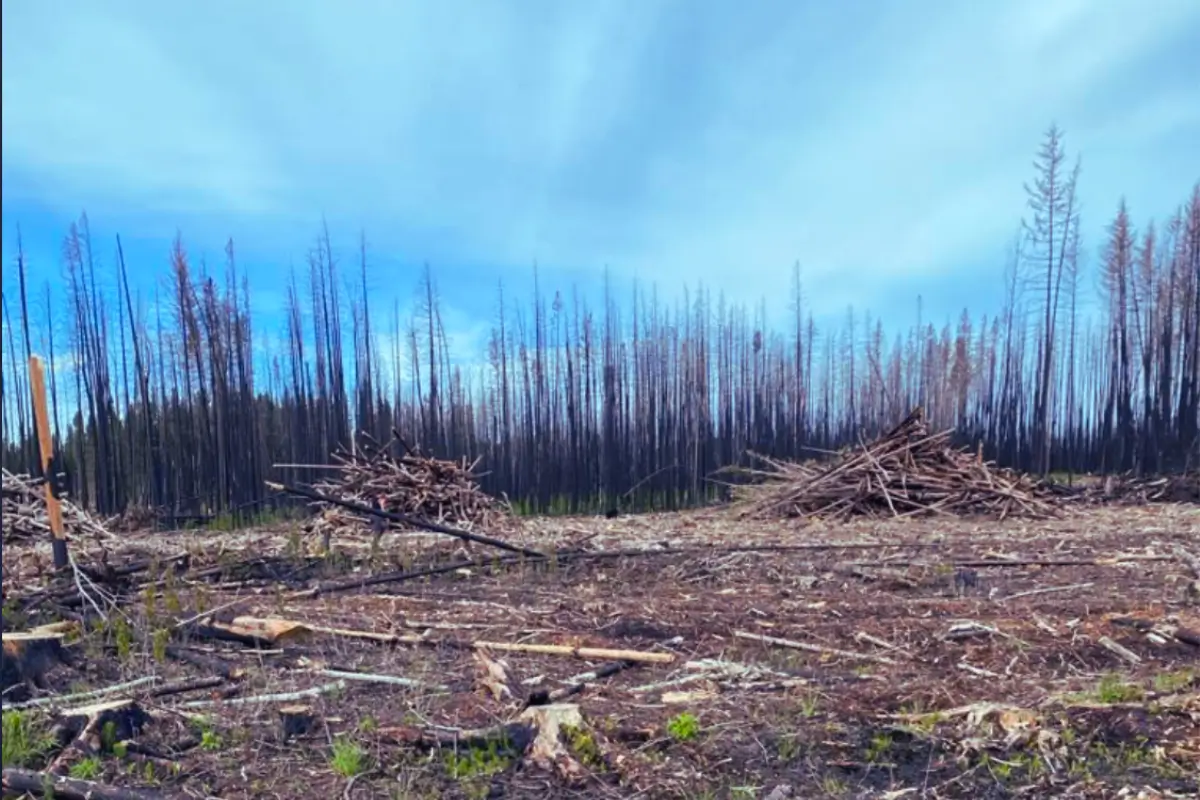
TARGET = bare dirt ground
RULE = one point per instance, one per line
(939, 659)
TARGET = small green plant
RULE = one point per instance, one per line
(924, 723)
(150, 600)
(161, 637)
(1171, 682)
(200, 599)
(171, 599)
(683, 727)
(584, 745)
(349, 758)
(122, 638)
(789, 747)
(14, 618)
(880, 747)
(477, 762)
(210, 740)
(368, 724)
(23, 742)
(833, 787)
(1112, 689)
(108, 735)
(87, 769)
(809, 705)
(1001, 770)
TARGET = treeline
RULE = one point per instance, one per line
(638, 401)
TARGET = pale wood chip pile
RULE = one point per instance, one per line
(406, 481)
(908, 472)
(26, 516)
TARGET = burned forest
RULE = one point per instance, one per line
(638, 548)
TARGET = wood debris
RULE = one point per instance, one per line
(27, 518)
(411, 483)
(41, 784)
(1129, 489)
(907, 472)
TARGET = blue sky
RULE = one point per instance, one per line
(881, 144)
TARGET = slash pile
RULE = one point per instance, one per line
(26, 516)
(908, 472)
(413, 483)
(1142, 490)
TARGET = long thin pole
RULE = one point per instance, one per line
(37, 382)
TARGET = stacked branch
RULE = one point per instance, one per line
(26, 515)
(908, 472)
(403, 480)
(1141, 490)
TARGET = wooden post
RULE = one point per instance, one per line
(37, 381)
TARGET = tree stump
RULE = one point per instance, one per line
(27, 657)
(295, 720)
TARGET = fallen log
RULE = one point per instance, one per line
(812, 648)
(274, 630)
(282, 697)
(544, 697)
(42, 784)
(89, 695)
(590, 653)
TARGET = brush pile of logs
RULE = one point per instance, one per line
(1141, 490)
(908, 472)
(403, 480)
(27, 518)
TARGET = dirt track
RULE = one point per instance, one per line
(915, 674)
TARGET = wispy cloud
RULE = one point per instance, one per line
(882, 144)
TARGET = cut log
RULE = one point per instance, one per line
(273, 630)
(590, 653)
(41, 784)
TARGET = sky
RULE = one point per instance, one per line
(881, 144)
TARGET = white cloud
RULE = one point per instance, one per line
(680, 141)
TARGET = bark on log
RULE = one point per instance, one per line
(41, 784)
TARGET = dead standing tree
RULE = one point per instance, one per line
(1050, 233)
